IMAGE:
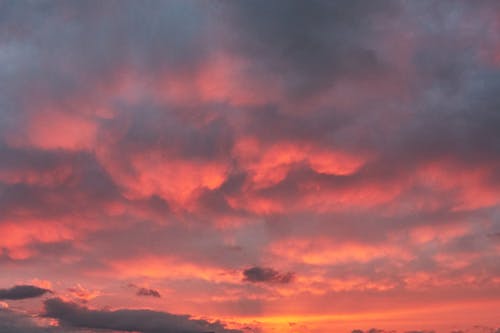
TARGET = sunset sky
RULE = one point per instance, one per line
(249, 166)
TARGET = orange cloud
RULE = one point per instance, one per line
(19, 235)
(324, 251)
(170, 268)
(53, 129)
(83, 294)
(222, 78)
(269, 164)
(171, 178)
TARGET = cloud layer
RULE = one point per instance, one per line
(251, 161)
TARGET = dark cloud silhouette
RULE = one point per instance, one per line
(22, 292)
(265, 274)
(144, 321)
(13, 322)
(148, 292)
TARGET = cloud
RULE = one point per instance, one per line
(354, 142)
(144, 321)
(19, 322)
(264, 274)
(22, 292)
(148, 292)
(310, 45)
(143, 291)
(83, 294)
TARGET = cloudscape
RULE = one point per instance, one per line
(249, 166)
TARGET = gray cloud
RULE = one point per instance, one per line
(22, 292)
(12, 322)
(141, 291)
(148, 292)
(144, 321)
(265, 274)
(309, 45)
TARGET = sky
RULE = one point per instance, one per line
(235, 166)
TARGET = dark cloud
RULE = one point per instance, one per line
(308, 45)
(141, 291)
(75, 178)
(265, 274)
(144, 321)
(148, 292)
(22, 292)
(13, 322)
